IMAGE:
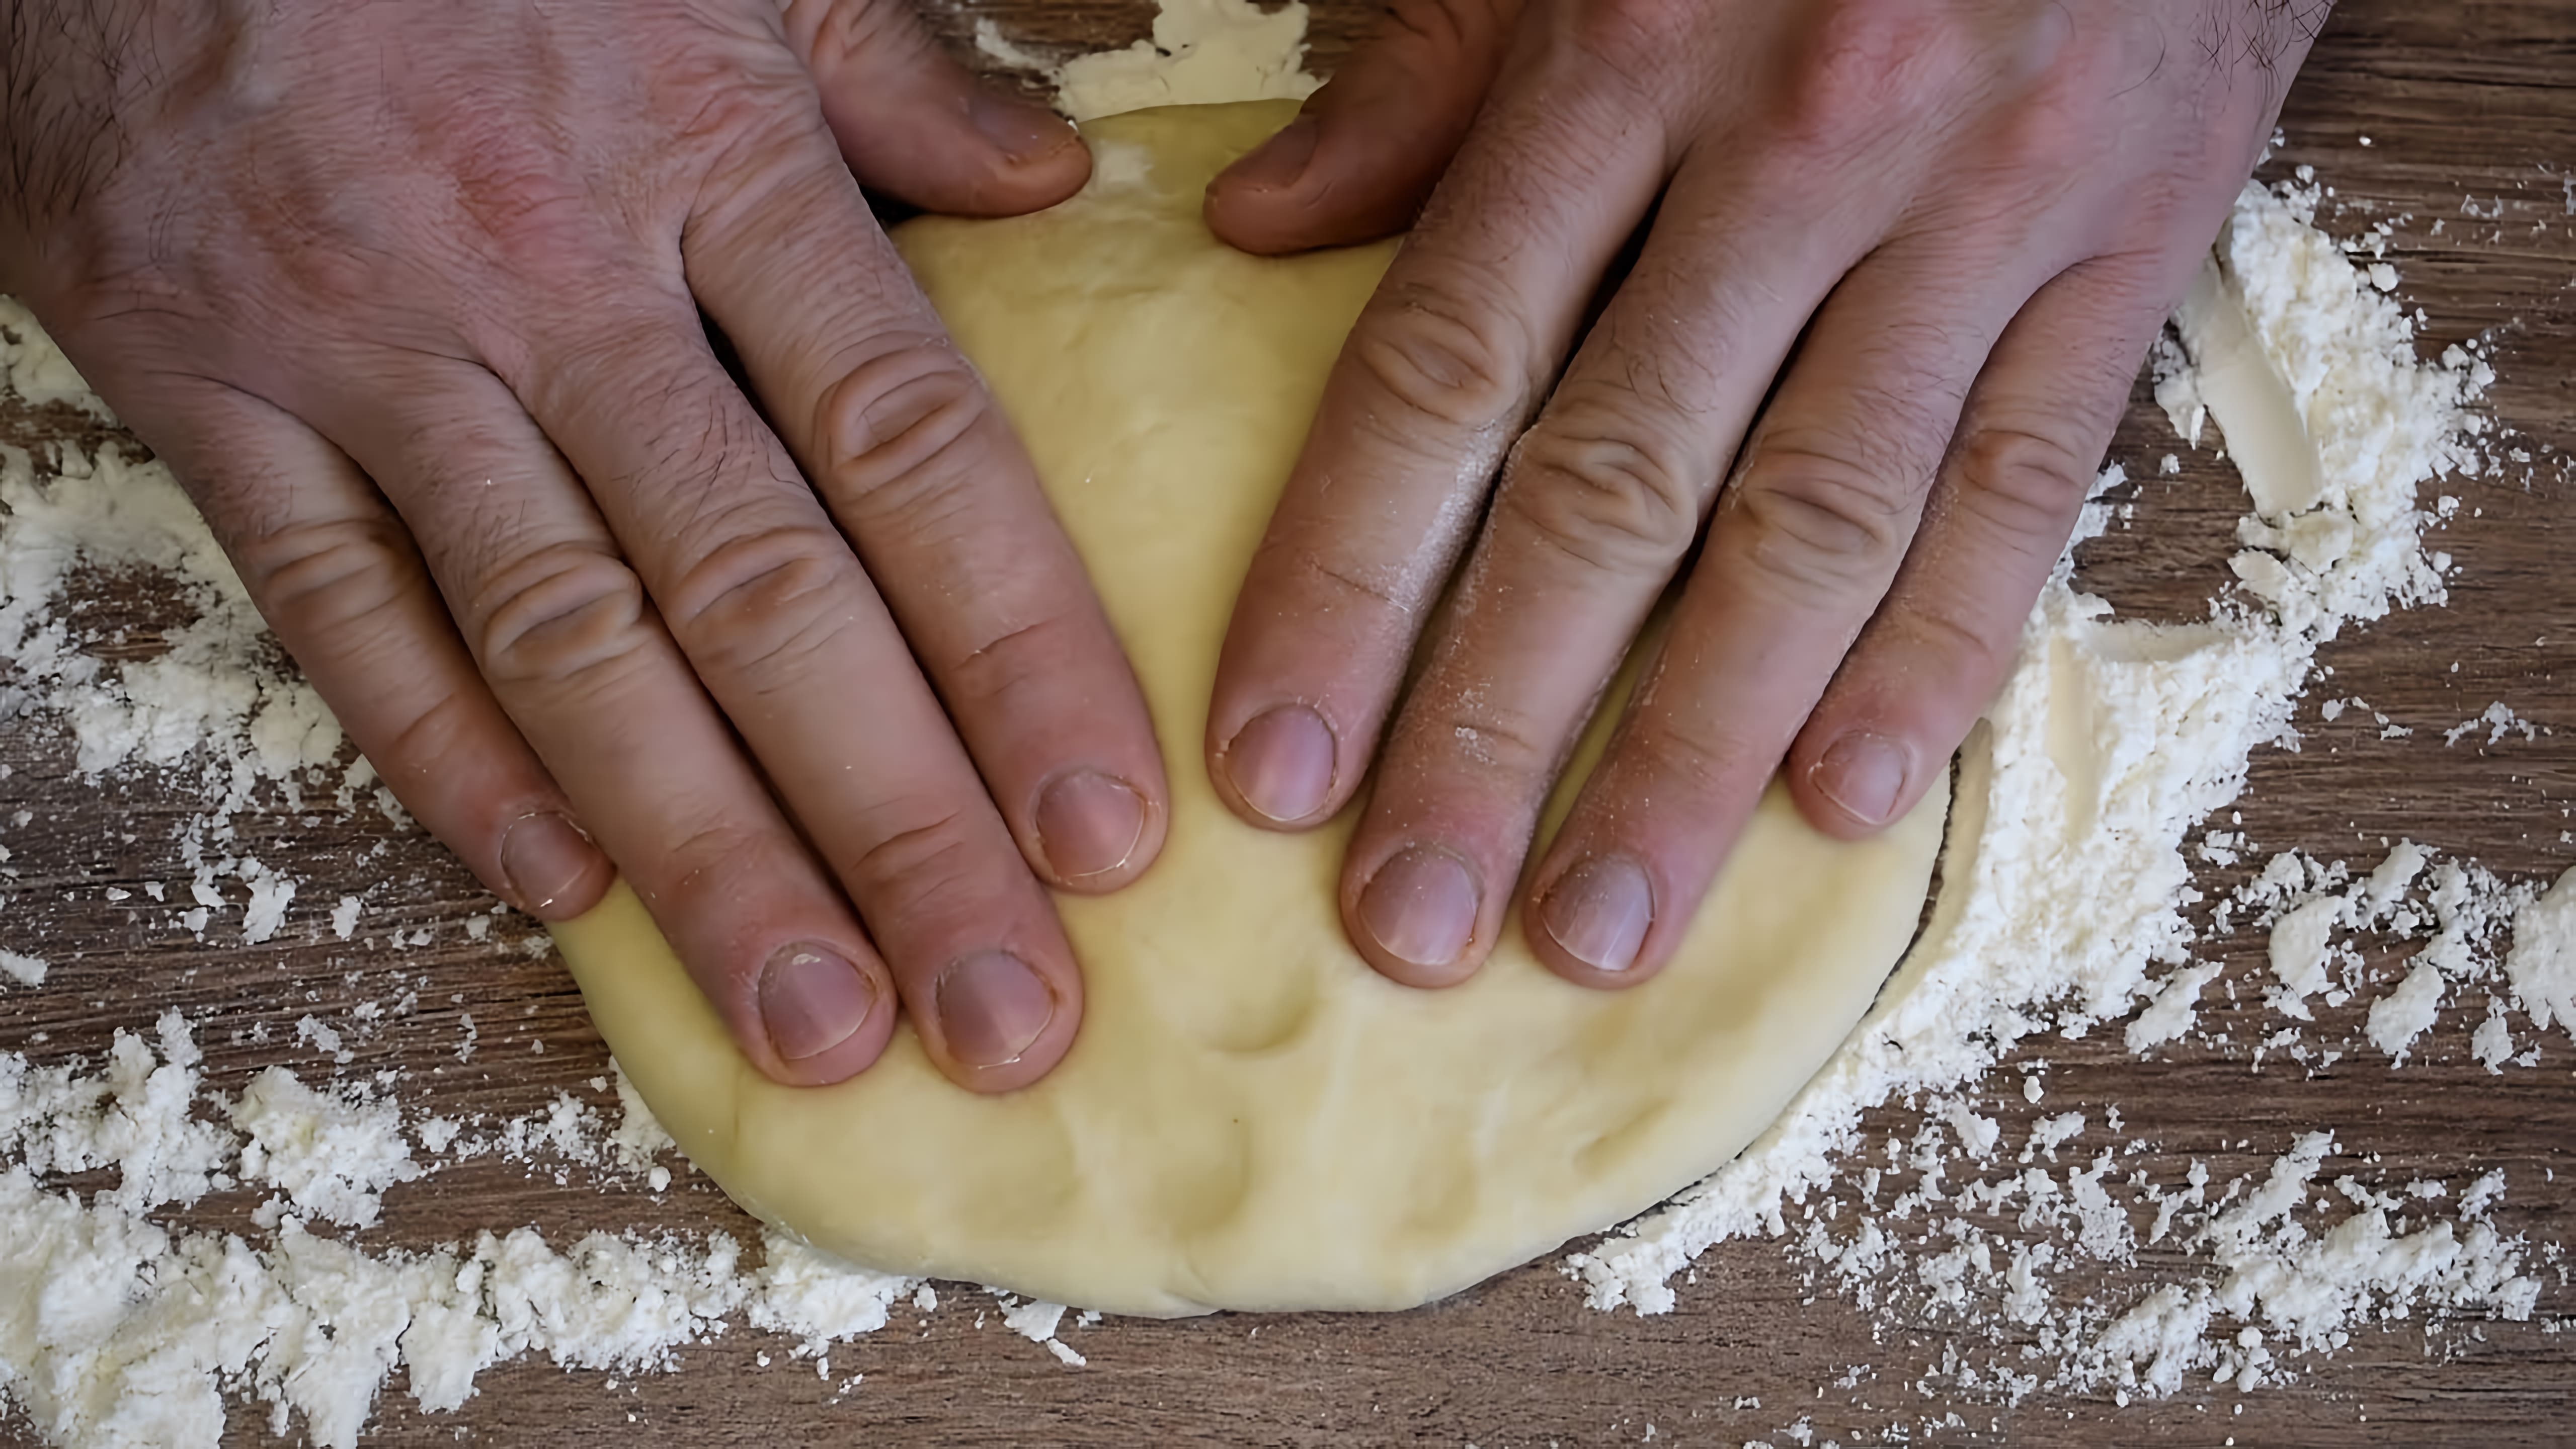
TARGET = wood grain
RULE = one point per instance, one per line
(2468, 108)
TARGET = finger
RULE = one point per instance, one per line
(1365, 150)
(2029, 443)
(925, 475)
(1801, 548)
(914, 123)
(560, 627)
(331, 568)
(1443, 368)
(780, 622)
(1599, 503)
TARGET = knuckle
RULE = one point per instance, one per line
(703, 872)
(2023, 486)
(1821, 524)
(1007, 666)
(1353, 582)
(1606, 486)
(2056, 129)
(1505, 748)
(562, 614)
(1969, 653)
(611, 324)
(1678, 760)
(308, 277)
(756, 134)
(1450, 27)
(442, 742)
(928, 860)
(837, 36)
(513, 186)
(1634, 39)
(2062, 121)
(1445, 355)
(1868, 67)
(900, 429)
(763, 601)
(334, 576)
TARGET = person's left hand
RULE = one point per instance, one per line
(1900, 261)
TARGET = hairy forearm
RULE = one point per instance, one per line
(70, 72)
(2273, 35)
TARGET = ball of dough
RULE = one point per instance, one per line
(1251, 1118)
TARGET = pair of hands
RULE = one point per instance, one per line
(410, 299)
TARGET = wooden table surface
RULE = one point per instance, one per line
(2456, 120)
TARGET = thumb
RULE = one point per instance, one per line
(915, 124)
(1359, 159)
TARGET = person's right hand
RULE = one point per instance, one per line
(408, 297)
(1890, 267)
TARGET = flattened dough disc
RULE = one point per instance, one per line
(1250, 1118)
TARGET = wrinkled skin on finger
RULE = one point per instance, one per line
(410, 298)
(1904, 258)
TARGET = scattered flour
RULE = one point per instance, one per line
(639, 1140)
(117, 1331)
(330, 1155)
(2460, 914)
(219, 701)
(1203, 51)
(2301, 942)
(818, 1299)
(2542, 963)
(2300, 1289)
(36, 370)
(2498, 720)
(2113, 744)
(214, 705)
(1037, 1322)
(2169, 1013)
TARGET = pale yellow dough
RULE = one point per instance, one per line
(1250, 1118)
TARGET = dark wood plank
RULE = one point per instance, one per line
(2469, 105)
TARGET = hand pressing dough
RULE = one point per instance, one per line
(1251, 1118)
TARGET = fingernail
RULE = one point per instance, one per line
(1278, 162)
(1023, 131)
(812, 1000)
(1599, 913)
(992, 1005)
(1088, 824)
(1282, 763)
(544, 857)
(1862, 773)
(1421, 906)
